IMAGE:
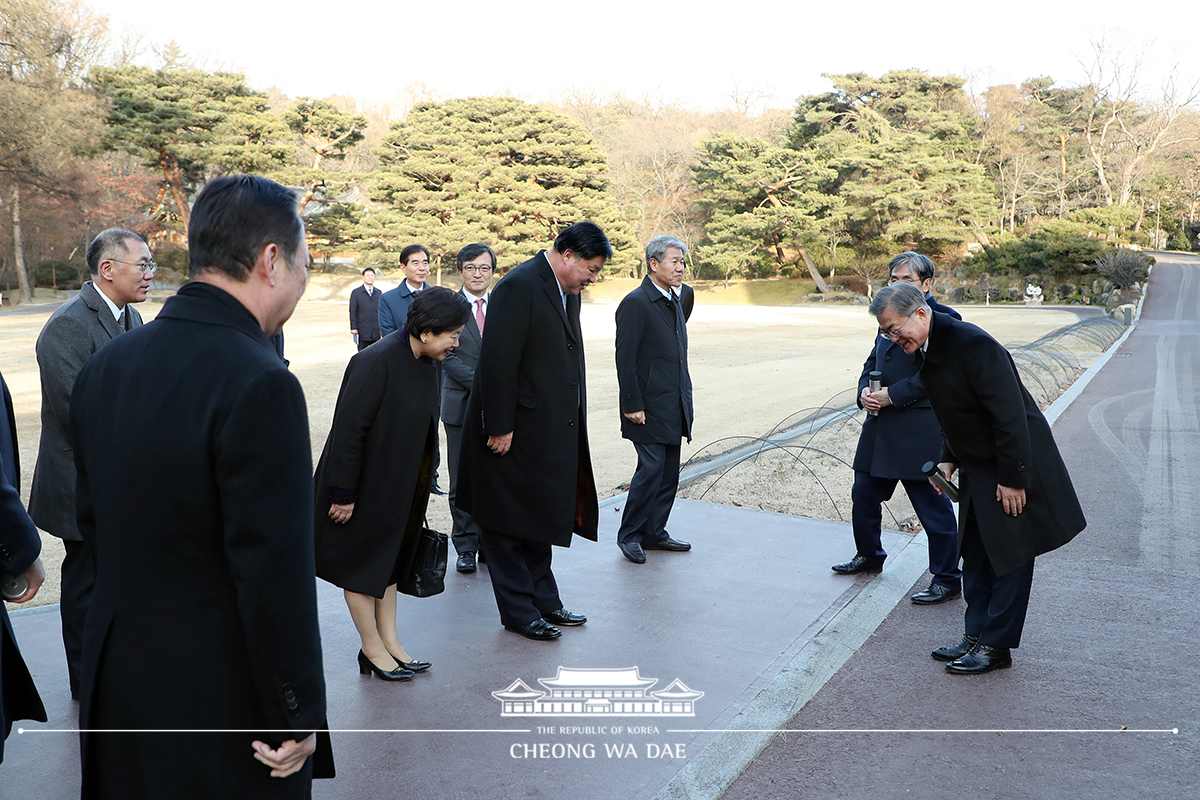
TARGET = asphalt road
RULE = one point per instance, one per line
(1102, 700)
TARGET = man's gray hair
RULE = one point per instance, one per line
(109, 243)
(658, 247)
(922, 265)
(904, 298)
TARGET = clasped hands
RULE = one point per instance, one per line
(289, 758)
(874, 401)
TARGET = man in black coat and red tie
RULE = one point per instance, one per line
(656, 395)
(898, 437)
(1016, 500)
(525, 471)
(204, 615)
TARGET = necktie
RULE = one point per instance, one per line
(121, 320)
(479, 314)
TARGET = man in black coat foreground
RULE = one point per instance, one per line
(898, 438)
(195, 491)
(656, 395)
(525, 472)
(19, 549)
(1016, 500)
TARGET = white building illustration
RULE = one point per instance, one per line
(597, 693)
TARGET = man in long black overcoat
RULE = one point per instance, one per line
(1016, 500)
(195, 492)
(525, 472)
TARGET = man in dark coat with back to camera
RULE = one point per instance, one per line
(1016, 500)
(656, 395)
(525, 471)
(121, 268)
(898, 438)
(204, 615)
(19, 549)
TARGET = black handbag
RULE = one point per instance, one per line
(428, 574)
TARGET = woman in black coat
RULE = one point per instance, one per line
(373, 479)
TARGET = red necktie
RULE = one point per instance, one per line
(479, 314)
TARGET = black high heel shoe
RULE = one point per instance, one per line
(411, 666)
(365, 667)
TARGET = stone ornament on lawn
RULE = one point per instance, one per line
(1033, 295)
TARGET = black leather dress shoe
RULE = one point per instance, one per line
(957, 651)
(936, 593)
(564, 617)
(674, 545)
(981, 659)
(633, 551)
(435, 489)
(415, 666)
(858, 564)
(466, 561)
(538, 630)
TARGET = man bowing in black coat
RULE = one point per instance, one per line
(195, 492)
(656, 395)
(525, 472)
(1016, 500)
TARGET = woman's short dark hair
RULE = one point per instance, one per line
(236, 216)
(585, 239)
(408, 252)
(474, 251)
(437, 309)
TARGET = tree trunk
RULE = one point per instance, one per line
(19, 247)
(822, 287)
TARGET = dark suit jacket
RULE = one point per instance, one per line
(459, 370)
(380, 450)
(204, 614)
(995, 432)
(905, 435)
(530, 382)
(76, 330)
(652, 368)
(393, 308)
(364, 313)
(19, 546)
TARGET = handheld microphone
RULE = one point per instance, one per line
(934, 474)
(875, 382)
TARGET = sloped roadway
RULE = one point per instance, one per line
(1107, 670)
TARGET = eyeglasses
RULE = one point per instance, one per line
(148, 266)
(909, 278)
(476, 269)
(894, 332)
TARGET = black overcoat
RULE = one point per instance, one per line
(994, 431)
(19, 548)
(195, 493)
(652, 365)
(364, 313)
(380, 449)
(530, 382)
(897, 443)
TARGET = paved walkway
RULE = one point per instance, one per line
(754, 620)
(1106, 672)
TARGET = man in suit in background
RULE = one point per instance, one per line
(1016, 500)
(476, 266)
(656, 395)
(898, 437)
(121, 268)
(525, 470)
(364, 311)
(19, 549)
(204, 616)
(393, 311)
